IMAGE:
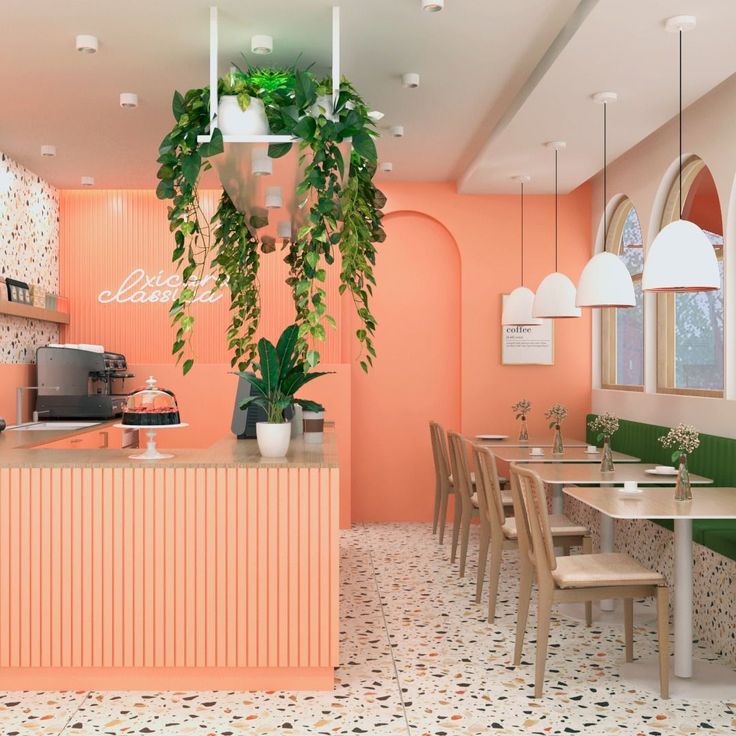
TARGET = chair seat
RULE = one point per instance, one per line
(610, 568)
(559, 525)
(506, 499)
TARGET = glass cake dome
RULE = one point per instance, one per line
(151, 407)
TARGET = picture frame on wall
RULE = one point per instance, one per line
(527, 344)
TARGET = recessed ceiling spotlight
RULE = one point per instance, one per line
(410, 80)
(48, 151)
(261, 44)
(375, 115)
(88, 181)
(397, 131)
(387, 166)
(87, 44)
(432, 6)
(128, 100)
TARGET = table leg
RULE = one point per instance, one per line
(683, 599)
(607, 545)
(557, 502)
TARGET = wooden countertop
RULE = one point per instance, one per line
(20, 449)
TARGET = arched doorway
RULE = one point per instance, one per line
(416, 376)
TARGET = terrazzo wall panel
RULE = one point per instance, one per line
(29, 251)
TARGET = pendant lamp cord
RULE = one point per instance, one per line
(605, 173)
(556, 213)
(522, 233)
(680, 124)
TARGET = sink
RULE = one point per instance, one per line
(51, 426)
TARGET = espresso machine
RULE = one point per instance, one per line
(79, 383)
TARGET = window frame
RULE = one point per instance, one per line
(609, 354)
(666, 314)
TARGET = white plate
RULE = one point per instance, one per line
(491, 436)
(654, 471)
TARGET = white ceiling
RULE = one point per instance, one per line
(495, 83)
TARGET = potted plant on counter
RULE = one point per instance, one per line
(279, 374)
(556, 415)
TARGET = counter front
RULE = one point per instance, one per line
(213, 570)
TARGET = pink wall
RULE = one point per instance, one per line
(485, 231)
(441, 272)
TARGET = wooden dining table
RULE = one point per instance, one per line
(696, 678)
(546, 440)
(557, 475)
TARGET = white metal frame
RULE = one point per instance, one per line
(266, 139)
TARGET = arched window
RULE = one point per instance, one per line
(690, 324)
(622, 330)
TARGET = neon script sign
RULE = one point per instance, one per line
(138, 287)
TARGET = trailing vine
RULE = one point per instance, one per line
(343, 210)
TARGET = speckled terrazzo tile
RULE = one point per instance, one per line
(40, 713)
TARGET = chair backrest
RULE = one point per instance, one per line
(439, 452)
(459, 466)
(528, 489)
(489, 488)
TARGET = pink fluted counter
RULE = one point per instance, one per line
(212, 570)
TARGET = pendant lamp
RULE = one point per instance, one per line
(605, 281)
(555, 297)
(517, 307)
(681, 258)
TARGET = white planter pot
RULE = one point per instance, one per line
(323, 106)
(273, 439)
(314, 424)
(231, 120)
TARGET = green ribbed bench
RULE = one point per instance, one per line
(715, 458)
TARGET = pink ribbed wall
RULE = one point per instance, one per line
(172, 570)
(106, 234)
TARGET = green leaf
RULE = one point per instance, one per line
(214, 146)
(277, 150)
(365, 146)
(165, 189)
(308, 405)
(286, 350)
(177, 106)
(269, 365)
(305, 128)
(188, 363)
(304, 88)
(190, 167)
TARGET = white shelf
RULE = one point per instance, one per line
(262, 139)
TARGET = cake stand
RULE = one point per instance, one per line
(151, 452)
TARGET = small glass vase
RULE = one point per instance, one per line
(523, 434)
(558, 448)
(683, 492)
(607, 457)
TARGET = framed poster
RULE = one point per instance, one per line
(527, 344)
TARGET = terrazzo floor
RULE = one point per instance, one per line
(419, 659)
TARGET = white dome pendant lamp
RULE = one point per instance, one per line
(605, 281)
(681, 258)
(555, 297)
(517, 307)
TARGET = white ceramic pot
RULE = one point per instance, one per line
(323, 106)
(273, 439)
(232, 120)
(314, 425)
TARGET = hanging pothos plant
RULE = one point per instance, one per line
(344, 214)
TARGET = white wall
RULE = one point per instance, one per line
(644, 173)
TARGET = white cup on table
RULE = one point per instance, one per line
(592, 448)
(536, 451)
(631, 486)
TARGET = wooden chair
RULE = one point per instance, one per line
(443, 483)
(468, 507)
(579, 578)
(504, 534)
